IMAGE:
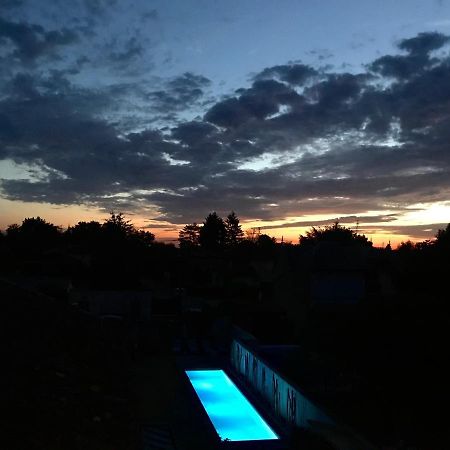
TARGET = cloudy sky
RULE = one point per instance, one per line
(292, 113)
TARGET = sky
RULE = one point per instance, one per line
(291, 113)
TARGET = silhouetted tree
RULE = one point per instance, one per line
(116, 225)
(145, 237)
(234, 233)
(443, 238)
(37, 227)
(264, 240)
(265, 246)
(34, 233)
(85, 233)
(406, 247)
(334, 233)
(92, 235)
(212, 233)
(189, 236)
(12, 232)
(118, 229)
(427, 244)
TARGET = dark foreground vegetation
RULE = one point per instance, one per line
(378, 318)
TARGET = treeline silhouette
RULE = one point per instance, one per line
(215, 233)
(117, 253)
(111, 253)
(36, 234)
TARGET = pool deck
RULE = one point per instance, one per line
(165, 404)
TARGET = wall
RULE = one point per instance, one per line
(286, 401)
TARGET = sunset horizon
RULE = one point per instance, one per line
(167, 121)
(287, 231)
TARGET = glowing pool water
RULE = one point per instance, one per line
(232, 415)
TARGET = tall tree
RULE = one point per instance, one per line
(212, 233)
(118, 226)
(443, 238)
(234, 233)
(189, 236)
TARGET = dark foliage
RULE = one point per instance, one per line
(213, 232)
(34, 234)
(334, 233)
(234, 233)
(189, 236)
(443, 239)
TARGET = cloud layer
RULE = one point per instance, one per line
(298, 140)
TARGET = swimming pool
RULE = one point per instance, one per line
(232, 415)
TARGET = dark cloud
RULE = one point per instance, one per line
(179, 93)
(189, 86)
(32, 41)
(416, 61)
(399, 66)
(193, 133)
(80, 158)
(340, 143)
(263, 99)
(7, 130)
(424, 43)
(295, 74)
(336, 89)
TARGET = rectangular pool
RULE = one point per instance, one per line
(232, 415)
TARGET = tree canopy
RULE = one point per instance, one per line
(117, 225)
(213, 232)
(443, 238)
(234, 233)
(334, 233)
(34, 233)
(189, 236)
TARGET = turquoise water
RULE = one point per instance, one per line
(232, 415)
